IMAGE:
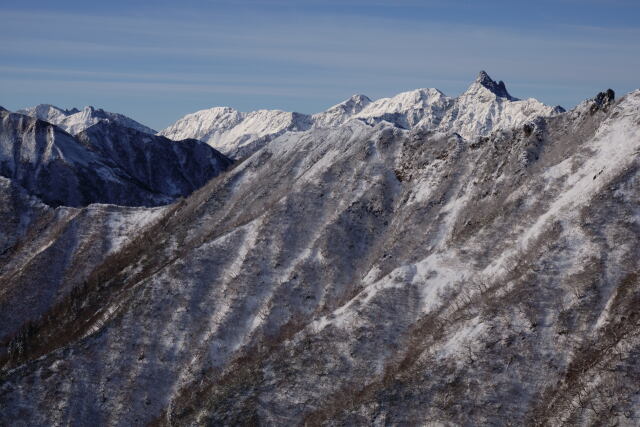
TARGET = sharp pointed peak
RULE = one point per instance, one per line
(483, 77)
(497, 88)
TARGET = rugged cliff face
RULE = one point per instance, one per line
(358, 274)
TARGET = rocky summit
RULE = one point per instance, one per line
(414, 260)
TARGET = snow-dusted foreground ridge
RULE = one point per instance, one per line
(484, 107)
(374, 272)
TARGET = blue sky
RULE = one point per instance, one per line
(156, 61)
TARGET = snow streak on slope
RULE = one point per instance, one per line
(365, 274)
(56, 250)
(485, 107)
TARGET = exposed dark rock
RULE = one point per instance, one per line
(603, 100)
(498, 88)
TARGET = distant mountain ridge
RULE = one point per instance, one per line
(235, 133)
(75, 121)
(484, 107)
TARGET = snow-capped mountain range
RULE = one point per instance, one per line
(484, 107)
(416, 260)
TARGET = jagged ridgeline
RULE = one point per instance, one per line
(413, 260)
(484, 107)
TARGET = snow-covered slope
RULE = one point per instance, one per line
(408, 108)
(75, 121)
(363, 274)
(234, 133)
(108, 164)
(485, 107)
(46, 252)
(340, 113)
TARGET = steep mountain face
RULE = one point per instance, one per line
(75, 121)
(486, 106)
(171, 168)
(364, 274)
(107, 164)
(46, 253)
